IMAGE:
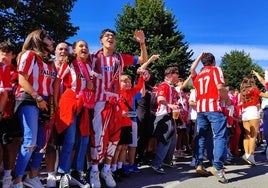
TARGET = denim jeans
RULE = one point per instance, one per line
(33, 135)
(73, 141)
(217, 121)
(165, 151)
(265, 124)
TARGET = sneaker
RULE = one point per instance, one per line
(200, 170)
(95, 179)
(51, 181)
(108, 178)
(78, 178)
(250, 160)
(7, 181)
(122, 173)
(33, 182)
(219, 174)
(158, 169)
(17, 185)
(134, 168)
(170, 165)
(126, 170)
(64, 181)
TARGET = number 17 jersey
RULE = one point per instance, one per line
(207, 94)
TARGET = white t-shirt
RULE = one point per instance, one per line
(192, 109)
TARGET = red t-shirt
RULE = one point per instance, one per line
(128, 95)
(5, 84)
(252, 97)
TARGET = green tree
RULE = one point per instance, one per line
(19, 17)
(236, 65)
(162, 37)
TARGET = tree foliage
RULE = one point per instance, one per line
(162, 37)
(19, 17)
(236, 65)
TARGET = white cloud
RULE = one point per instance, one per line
(258, 54)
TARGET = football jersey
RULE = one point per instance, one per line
(207, 94)
(171, 96)
(72, 76)
(41, 75)
(110, 68)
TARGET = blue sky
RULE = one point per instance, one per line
(208, 25)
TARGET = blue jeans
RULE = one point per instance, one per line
(217, 121)
(265, 124)
(33, 135)
(73, 141)
(165, 151)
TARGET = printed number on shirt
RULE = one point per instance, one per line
(203, 84)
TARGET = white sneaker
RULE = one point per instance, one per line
(65, 180)
(51, 181)
(108, 177)
(33, 182)
(7, 182)
(95, 179)
(17, 185)
(251, 159)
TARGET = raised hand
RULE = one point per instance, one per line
(139, 36)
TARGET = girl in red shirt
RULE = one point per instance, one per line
(250, 97)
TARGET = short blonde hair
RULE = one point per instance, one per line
(124, 78)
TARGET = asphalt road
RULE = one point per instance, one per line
(240, 175)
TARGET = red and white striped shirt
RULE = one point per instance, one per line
(41, 75)
(5, 84)
(110, 68)
(171, 96)
(72, 76)
(207, 94)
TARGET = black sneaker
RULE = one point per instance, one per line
(122, 173)
(78, 178)
(158, 169)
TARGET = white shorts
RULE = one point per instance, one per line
(250, 113)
